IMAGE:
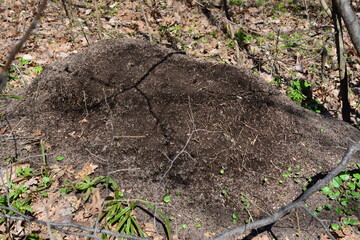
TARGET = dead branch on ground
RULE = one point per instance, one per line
(17, 47)
(297, 203)
(60, 226)
(320, 221)
(183, 149)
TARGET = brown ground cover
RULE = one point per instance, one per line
(161, 122)
(176, 122)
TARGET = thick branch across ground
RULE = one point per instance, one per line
(298, 202)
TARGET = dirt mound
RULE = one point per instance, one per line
(179, 121)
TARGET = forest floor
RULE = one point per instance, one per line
(290, 44)
(285, 42)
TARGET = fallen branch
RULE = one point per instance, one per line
(60, 226)
(16, 49)
(320, 221)
(298, 202)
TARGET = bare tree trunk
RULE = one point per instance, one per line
(351, 21)
(344, 85)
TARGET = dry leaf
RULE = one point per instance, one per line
(95, 207)
(84, 120)
(36, 133)
(3, 130)
(150, 231)
(262, 237)
(87, 169)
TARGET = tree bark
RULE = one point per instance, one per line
(351, 21)
(344, 84)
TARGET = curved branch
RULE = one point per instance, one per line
(298, 202)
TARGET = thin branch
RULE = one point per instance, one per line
(178, 155)
(124, 169)
(59, 226)
(298, 202)
(146, 21)
(48, 227)
(128, 136)
(17, 47)
(4, 139)
(65, 8)
(77, 233)
(326, 7)
(320, 221)
(98, 20)
(100, 159)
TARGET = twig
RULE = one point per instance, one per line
(65, 8)
(146, 21)
(77, 233)
(59, 226)
(111, 119)
(124, 136)
(98, 20)
(19, 71)
(320, 221)
(185, 145)
(326, 7)
(307, 12)
(231, 31)
(4, 139)
(298, 202)
(124, 169)
(183, 150)
(236, 44)
(86, 108)
(73, 19)
(178, 154)
(103, 161)
(12, 129)
(16, 49)
(298, 223)
(46, 208)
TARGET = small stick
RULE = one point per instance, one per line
(17, 47)
(146, 21)
(320, 221)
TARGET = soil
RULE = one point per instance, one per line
(161, 122)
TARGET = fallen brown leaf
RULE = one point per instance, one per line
(87, 169)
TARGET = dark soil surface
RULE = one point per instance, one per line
(170, 122)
